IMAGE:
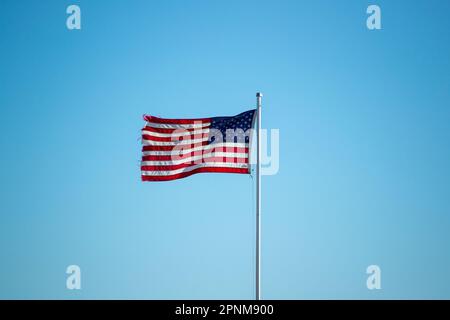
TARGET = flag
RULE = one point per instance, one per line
(177, 148)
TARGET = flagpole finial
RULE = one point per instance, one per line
(259, 94)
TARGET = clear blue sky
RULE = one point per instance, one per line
(365, 149)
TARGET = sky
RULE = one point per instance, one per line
(363, 117)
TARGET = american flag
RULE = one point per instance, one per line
(177, 148)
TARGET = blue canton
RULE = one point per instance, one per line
(239, 125)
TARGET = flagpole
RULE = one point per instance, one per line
(258, 198)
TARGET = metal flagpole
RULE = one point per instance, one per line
(258, 198)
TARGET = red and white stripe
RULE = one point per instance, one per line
(177, 148)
